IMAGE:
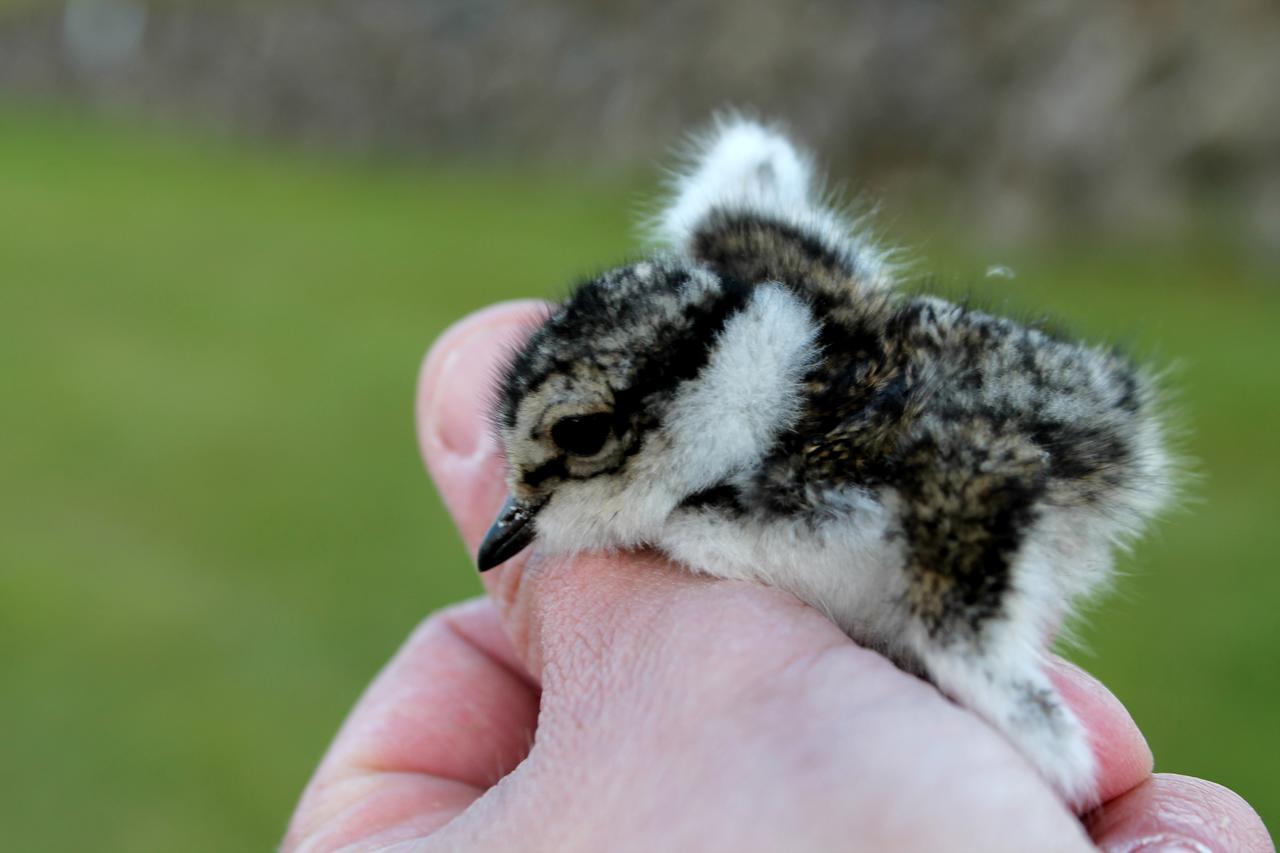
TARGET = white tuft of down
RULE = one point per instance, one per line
(744, 166)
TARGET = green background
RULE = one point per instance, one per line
(214, 526)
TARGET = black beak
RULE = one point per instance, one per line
(510, 534)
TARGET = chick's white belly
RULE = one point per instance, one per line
(849, 567)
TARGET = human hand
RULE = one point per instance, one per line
(620, 703)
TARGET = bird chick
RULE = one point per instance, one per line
(759, 403)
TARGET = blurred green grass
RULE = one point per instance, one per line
(215, 526)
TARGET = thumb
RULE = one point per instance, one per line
(580, 622)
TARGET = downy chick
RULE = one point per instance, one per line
(759, 403)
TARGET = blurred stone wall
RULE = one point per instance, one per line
(1117, 115)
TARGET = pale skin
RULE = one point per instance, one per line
(619, 703)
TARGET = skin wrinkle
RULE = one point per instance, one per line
(506, 587)
(483, 719)
(571, 649)
(451, 618)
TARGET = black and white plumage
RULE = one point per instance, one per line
(759, 403)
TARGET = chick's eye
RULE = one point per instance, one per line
(582, 435)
